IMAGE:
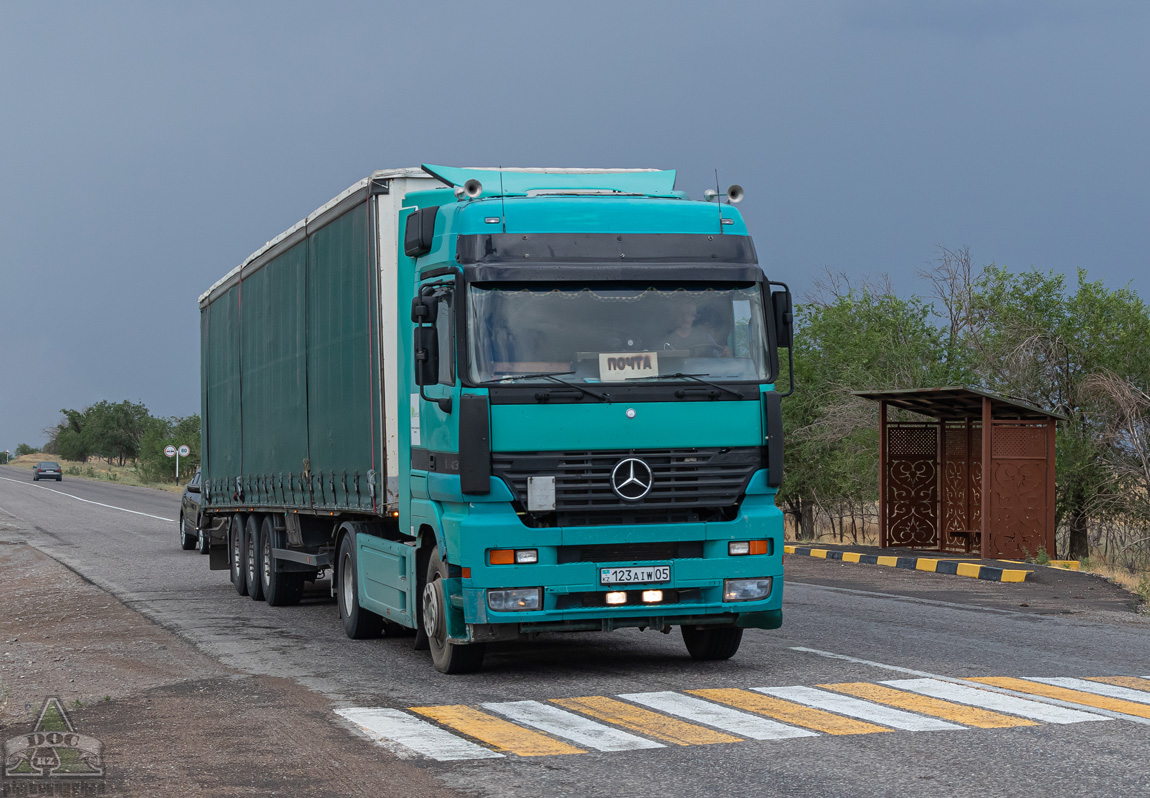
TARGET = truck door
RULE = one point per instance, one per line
(440, 401)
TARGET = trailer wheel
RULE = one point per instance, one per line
(447, 657)
(281, 588)
(358, 623)
(252, 557)
(187, 542)
(238, 551)
(711, 642)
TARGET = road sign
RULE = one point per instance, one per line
(184, 451)
(170, 451)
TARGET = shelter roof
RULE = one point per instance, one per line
(956, 403)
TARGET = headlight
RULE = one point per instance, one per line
(516, 600)
(746, 589)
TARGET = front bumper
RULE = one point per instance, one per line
(572, 593)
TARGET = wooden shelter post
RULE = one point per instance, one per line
(987, 469)
(882, 466)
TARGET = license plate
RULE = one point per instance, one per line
(628, 576)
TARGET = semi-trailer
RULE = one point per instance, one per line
(492, 403)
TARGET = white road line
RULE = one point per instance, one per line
(570, 726)
(705, 712)
(858, 708)
(978, 685)
(998, 702)
(1098, 688)
(89, 501)
(391, 725)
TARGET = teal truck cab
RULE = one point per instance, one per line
(536, 401)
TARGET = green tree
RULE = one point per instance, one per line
(852, 340)
(1036, 340)
(153, 465)
(23, 449)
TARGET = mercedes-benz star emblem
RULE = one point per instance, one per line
(631, 479)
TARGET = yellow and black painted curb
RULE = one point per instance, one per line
(987, 573)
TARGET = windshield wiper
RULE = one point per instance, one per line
(695, 377)
(554, 377)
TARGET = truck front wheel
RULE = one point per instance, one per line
(712, 642)
(447, 657)
(358, 623)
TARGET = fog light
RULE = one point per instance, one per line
(652, 596)
(523, 556)
(617, 597)
(746, 589)
(516, 600)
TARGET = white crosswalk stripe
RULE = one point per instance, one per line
(1097, 688)
(999, 702)
(857, 708)
(570, 726)
(730, 720)
(391, 725)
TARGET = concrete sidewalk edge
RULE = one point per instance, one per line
(988, 573)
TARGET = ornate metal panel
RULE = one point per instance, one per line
(1018, 485)
(912, 484)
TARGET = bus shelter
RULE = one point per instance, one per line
(976, 475)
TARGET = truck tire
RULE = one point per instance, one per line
(252, 557)
(447, 657)
(712, 642)
(237, 550)
(358, 623)
(187, 542)
(281, 588)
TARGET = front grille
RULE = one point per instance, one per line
(687, 484)
(631, 552)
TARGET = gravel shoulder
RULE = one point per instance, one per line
(173, 721)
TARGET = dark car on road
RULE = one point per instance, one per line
(46, 469)
(192, 536)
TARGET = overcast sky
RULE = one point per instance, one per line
(146, 148)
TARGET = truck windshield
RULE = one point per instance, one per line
(522, 332)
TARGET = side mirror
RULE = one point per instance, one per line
(426, 356)
(784, 318)
(424, 309)
(419, 232)
(193, 487)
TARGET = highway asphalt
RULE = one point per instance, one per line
(840, 629)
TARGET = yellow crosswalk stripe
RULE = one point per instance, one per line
(1133, 682)
(645, 721)
(788, 711)
(1066, 694)
(925, 705)
(496, 732)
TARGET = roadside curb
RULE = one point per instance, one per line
(987, 573)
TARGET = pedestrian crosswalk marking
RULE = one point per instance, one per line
(1133, 682)
(998, 702)
(644, 721)
(789, 712)
(496, 732)
(730, 720)
(1065, 694)
(1113, 691)
(925, 705)
(856, 708)
(652, 720)
(382, 724)
(575, 728)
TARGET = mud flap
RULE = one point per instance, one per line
(457, 631)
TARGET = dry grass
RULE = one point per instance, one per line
(96, 469)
